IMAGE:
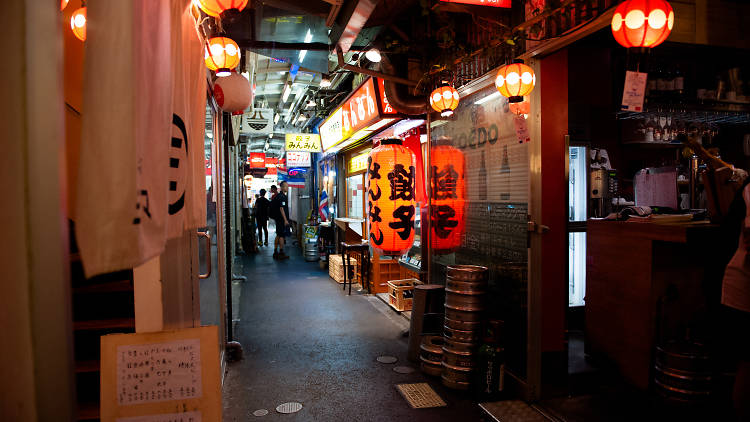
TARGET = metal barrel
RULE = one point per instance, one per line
(431, 355)
(456, 377)
(311, 252)
(460, 358)
(470, 273)
(463, 325)
(462, 314)
(460, 346)
(466, 287)
(683, 373)
(470, 336)
(459, 301)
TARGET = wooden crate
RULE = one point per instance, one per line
(401, 292)
(382, 271)
(336, 268)
(407, 273)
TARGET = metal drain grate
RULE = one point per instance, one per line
(291, 407)
(260, 412)
(387, 359)
(420, 395)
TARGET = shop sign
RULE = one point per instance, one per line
(358, 163)
(257, 159)
(271, 164)
(298, 159)
(494, 3)
(365, 107)
(259, 122)
(303, 142)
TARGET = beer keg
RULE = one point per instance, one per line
(683, 373)
(456, 377)
(431, 355)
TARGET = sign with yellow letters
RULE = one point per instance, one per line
(309, 142)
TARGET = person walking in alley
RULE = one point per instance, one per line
(262, 206)
(280, 213)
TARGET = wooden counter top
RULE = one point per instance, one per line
(665, 232)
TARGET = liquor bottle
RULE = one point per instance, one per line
(490, 373)
(505, 175)
(482, 180)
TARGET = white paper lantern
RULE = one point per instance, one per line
(233, 93)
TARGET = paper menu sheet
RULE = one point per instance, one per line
(172, 417)
(148, 373)
(635, 91)
(656, 188)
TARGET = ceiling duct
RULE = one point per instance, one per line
(398, 94)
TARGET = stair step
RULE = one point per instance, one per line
(104, 324)
(87, 366)
(87, 411)
(112, 286)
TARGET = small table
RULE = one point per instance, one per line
(364, 248)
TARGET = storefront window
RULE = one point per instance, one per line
(355, 191)
(483, 220)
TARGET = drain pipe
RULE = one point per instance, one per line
(398, 95)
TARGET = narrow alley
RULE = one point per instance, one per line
(305, 340)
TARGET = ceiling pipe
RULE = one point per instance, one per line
(398, 94)
(386, 76)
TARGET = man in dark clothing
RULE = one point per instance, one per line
(262, 206)
(280, 207)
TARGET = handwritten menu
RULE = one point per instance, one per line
(148, 373)
(172, 417)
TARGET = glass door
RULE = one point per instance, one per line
(211, 238)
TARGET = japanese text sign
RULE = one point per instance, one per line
(298, 159)
(147, 377)
(257, 160)
(302, 142)
(271, 164)
(358, 163)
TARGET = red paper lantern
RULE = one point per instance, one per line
(222, 55)
(391, 176)
(216, 7)
(78, 23)
(642, 23)
(444, 100)
(448, 190)
(63, 3)
(524, 107)
(515, 80)
(232, 93)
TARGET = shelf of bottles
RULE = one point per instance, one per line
(668, 99)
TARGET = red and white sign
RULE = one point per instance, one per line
(257, 160)
(271, 164)
(298, 159)
(494, 3)
(385, 106)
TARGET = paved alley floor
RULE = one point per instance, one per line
(305, 340)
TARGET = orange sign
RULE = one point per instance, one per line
(360, 109)
(385, 106)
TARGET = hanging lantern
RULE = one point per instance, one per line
(216, 7)
(232, 93)
(78, 23)
(448, 189)
(444, 100)
(515, 80)
(642, 23)
(391, 176)
(63, 3)
(222, 55)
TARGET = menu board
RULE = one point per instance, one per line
(168, 376)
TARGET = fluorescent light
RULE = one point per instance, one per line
(488, 98)
(325, 83)
(308, 37)
(287, 90)
(270, 135)
(276, 118)
(311, 103)
(291, 106)
(302, 55)
(373, 55)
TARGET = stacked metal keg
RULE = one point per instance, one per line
(465, 291)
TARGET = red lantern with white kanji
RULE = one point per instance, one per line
(391, 206)
(448, 190)
(642, 23)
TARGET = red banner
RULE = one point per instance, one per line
(271, 164)
(412, 141)
(257, 159)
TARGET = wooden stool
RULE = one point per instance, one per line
(364, 249)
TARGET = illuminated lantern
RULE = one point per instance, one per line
(232, 93)
(448, 189)
(642, 23)
(78, 23)
(391, 176)
(222, 55)
(63, 3)
(444, 100)
(216, 7)
(515, 80)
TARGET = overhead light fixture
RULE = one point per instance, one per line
(308, 36)
(325, 82)
(291, 107)
(488, 98)
(287, 91)
(270, 135)
(276, 118)
(311, 103)
(373, 55)
(303, 53)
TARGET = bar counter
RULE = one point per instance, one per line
(630, 266)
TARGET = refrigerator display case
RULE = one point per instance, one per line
(577, 214)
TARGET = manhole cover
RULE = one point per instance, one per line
(403, 369)
(260, 412)
(387, 359)
(291, 407)
(420, 395)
